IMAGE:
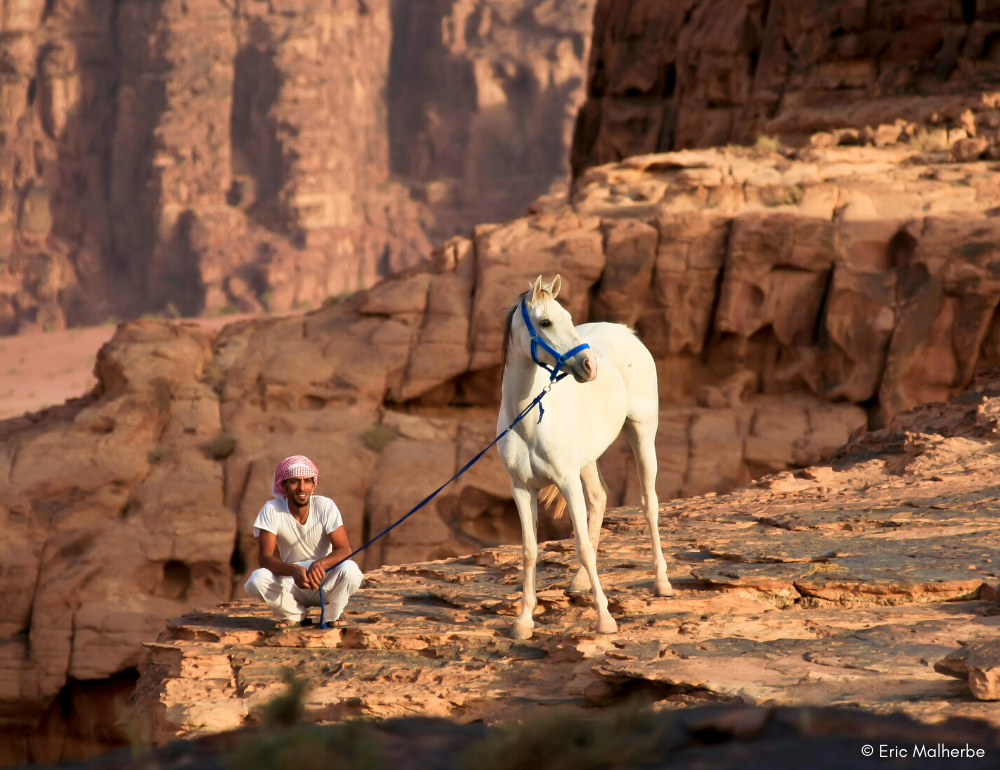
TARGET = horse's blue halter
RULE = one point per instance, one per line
(536, 341)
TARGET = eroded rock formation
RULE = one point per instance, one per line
(702, 73)
(788, 300)
(482, 100)
(839, 585)
(195, 156)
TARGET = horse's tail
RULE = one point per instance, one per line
(550, 495)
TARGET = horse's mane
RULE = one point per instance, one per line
(508, 325)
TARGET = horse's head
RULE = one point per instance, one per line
(553, 323)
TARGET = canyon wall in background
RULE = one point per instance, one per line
(701, 73)
(200, 156)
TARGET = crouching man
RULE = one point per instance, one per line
(308, 532)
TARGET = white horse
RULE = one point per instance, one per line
(613, 386)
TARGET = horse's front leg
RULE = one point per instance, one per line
(527, 508)
(597, 501)
(572, 490)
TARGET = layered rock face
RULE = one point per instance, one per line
(788, 299)
(702, 73)
(483, 96)
(193, 155)
(862, 583)
(198, 156)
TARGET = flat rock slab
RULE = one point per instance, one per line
(979, 663)
(869, 584)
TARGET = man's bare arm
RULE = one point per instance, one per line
(267, 544)
(341, 550)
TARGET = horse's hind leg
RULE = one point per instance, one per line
(572, 490)
(596, 495)
(641, 436)
(527, 509)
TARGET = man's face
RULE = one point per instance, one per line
(299, 490)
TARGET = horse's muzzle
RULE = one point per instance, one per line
(585, 367)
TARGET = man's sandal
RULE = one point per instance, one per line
(339, 623)
(283, 624)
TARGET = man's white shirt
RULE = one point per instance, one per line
(300, 542)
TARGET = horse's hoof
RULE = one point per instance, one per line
(578, 586)
(607, 625)
(521, 631)
(663, 588)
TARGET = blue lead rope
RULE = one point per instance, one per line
(554, 377)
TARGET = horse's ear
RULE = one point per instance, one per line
(556, 286)
(536, 289)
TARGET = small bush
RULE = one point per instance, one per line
(782, 196)
(214, 375)
(929, 141)
(377, 437)
(229, 309)
(304, 304)
(223, 445)
(286, 709)
(335, 299)
(767, 143)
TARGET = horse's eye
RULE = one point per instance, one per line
(545, 324)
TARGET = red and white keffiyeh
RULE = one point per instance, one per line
(294, 467)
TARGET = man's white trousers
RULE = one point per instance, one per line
(289, 602)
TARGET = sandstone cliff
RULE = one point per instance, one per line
(189, 157)
(701, 73)
(788, 299)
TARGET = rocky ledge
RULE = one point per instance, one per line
(871, 582)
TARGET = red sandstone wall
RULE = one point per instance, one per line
(702, 73)
(190, 156)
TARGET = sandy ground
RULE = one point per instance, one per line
(45, 368)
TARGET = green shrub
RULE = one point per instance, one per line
(223, 445)
(334, 299)
(767, 143)
(782, 196)
(935, 140)
(377, 437)
(286, 709)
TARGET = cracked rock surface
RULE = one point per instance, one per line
(842, 585)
